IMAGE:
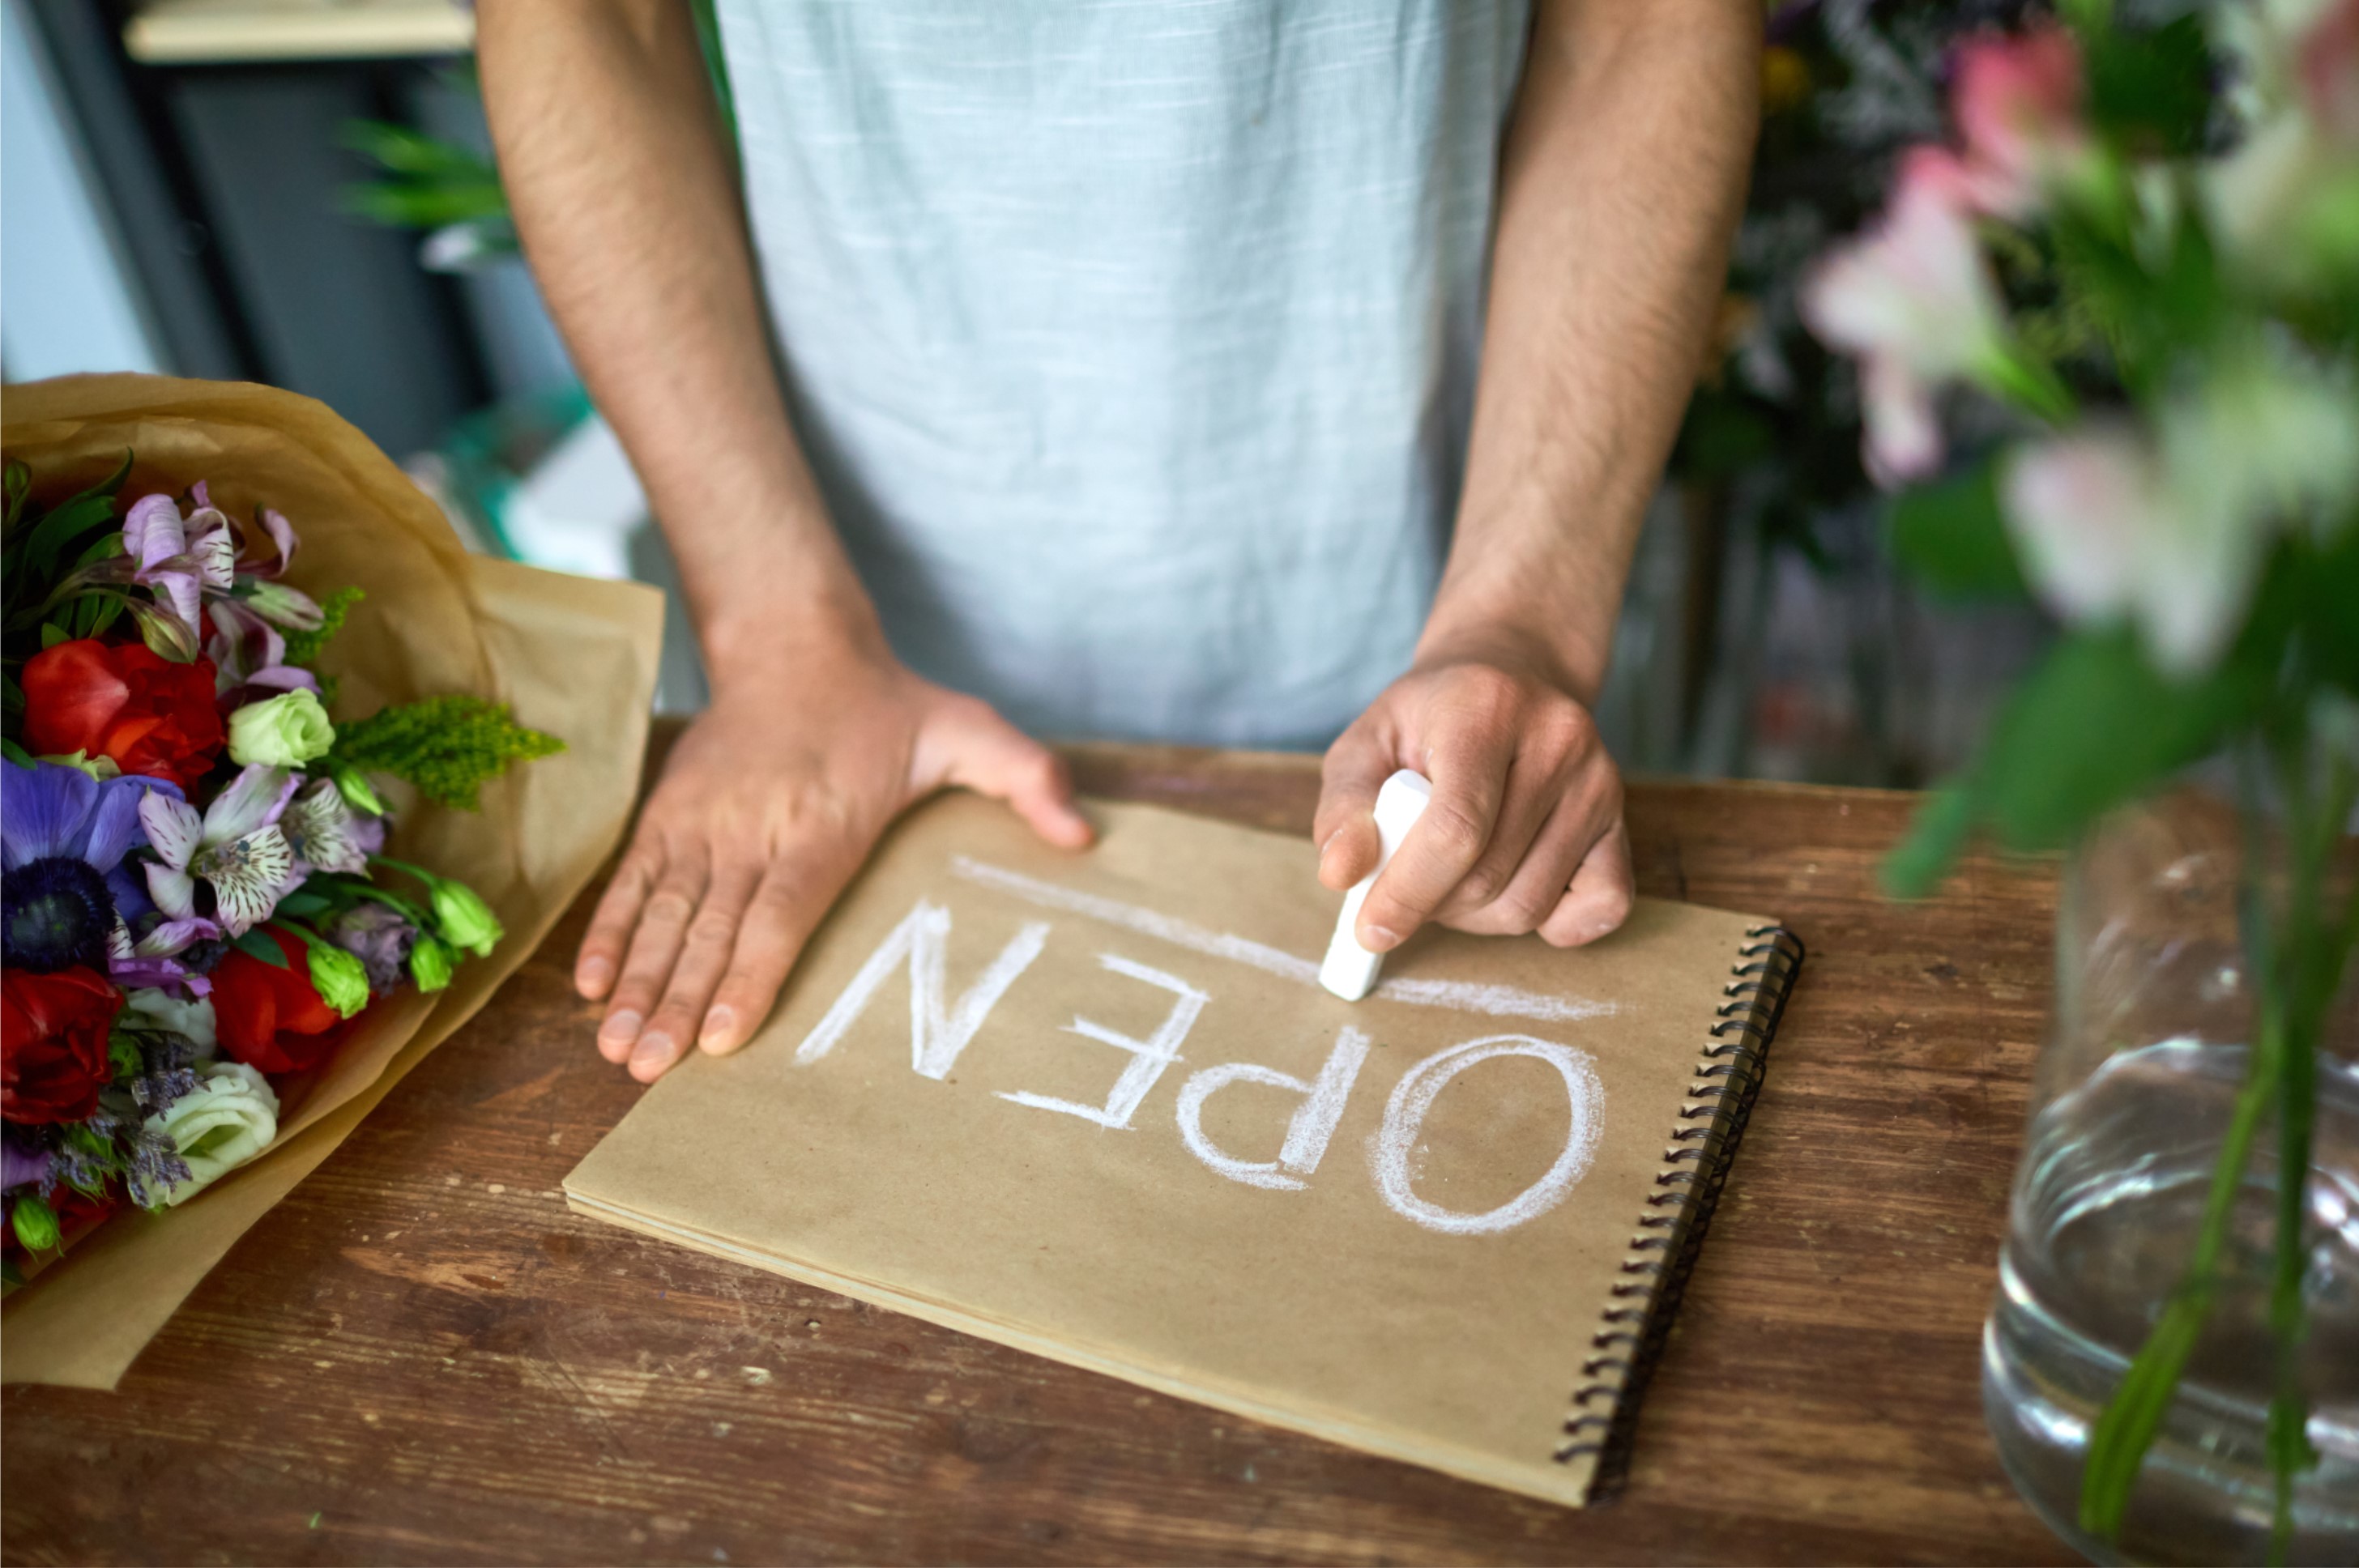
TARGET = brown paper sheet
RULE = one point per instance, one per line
(572, 656)
(1401, 1276)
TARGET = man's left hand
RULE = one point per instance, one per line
(1524, 829)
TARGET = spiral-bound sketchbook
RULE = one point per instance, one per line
(1097, 1106)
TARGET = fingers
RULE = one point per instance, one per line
(971, 746)
(617, 916)
(1599, 900)
(1537, 882)
(1345, 826)
(1470, 770)
(704, 956)
(785, 910)
(655, 944)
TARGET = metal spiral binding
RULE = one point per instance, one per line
(1654, 1276)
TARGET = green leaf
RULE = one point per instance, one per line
(1916, 868)
(65, 532)
(1953, 536)
(16, 753)
(52, 634)
(16, 485)
(255, 944)
(304, 903)
(2090, 729)
(2150, 89)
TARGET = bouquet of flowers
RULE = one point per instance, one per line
(196, 901)
(2135, 273)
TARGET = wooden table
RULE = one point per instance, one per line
(422, 1356)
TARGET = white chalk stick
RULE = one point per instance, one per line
(1350, 970)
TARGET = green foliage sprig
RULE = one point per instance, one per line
(446, 746)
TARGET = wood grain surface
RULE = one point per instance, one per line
(421, 1355)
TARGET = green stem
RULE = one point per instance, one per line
(401, 906)
(423, 875)
(2126, 1429)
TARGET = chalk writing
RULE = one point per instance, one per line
(1396, 1140)
(1312, 1124)
(937, 1034)
(940, 1028)
(1149, 1057)
(1501, 1001)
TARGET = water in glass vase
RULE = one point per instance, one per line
(2107, 1201)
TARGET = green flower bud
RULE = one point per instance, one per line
(430, 962)
(464, 920)
(338, 979)
(34, 1221)
(287, 731)
(353, 785)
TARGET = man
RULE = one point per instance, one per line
(1231, 371)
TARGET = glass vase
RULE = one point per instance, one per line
(2148, 1047)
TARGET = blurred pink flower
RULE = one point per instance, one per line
(2328, 65)
(2170, 529)
(1913, 300)
(2017, 100)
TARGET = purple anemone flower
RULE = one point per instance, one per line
(64, 889)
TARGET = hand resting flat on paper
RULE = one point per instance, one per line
(1525, 830)
(769, 804)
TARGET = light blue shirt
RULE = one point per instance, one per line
(1132, 341)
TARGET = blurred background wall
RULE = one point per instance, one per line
(299, 191)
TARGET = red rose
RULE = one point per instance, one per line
(53, 1031)
(126, 702)
(271, 1019)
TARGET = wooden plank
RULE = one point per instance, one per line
(422, 1356)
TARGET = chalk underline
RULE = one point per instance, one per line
(1465, 996)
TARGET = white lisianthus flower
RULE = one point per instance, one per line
(230, 1118)
(192, 1019)
(2171, 530)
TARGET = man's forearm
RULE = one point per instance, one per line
(612, 156)
(1621, 180)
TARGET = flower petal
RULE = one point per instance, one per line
(253, 800)
(42, 810)
(282, 539)
(152, 530)
(174, 830)
(213, 548)
(176, 936)
(248, 877)
(174, 890)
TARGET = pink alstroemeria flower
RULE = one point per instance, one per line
(328, 835)
(1914, 301)
(236, 846)
(179, 557)
(247, 650)
(2017, 105)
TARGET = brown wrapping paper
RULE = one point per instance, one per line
(1337, 1276)
(572, 656)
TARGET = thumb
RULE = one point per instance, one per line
(979, 751)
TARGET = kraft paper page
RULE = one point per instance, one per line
(1096, 1106)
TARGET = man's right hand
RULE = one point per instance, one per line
(769, 804)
